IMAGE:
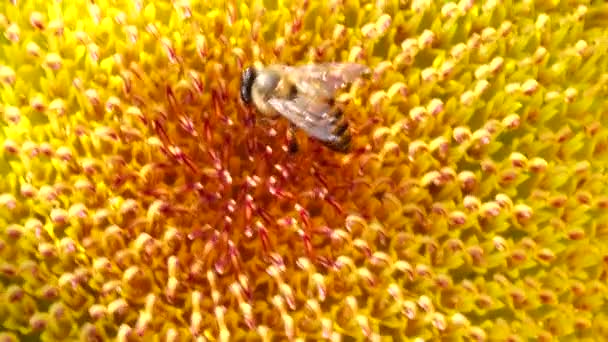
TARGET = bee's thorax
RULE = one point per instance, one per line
(266, 85)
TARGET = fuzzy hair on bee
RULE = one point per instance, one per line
(304, 95)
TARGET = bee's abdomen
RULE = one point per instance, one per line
(341, 144)
(342, 140)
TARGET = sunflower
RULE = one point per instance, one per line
(141, 200)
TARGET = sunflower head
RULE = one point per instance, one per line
(141, 198)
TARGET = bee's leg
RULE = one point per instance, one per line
(292, 142)
(264, 121)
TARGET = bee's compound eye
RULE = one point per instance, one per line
(247, 78)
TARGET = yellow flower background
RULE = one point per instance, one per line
(141, 201)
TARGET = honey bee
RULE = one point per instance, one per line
(304, 95)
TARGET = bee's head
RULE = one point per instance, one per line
(247, 78)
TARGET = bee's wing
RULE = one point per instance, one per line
(323, 80)
(314, 117)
